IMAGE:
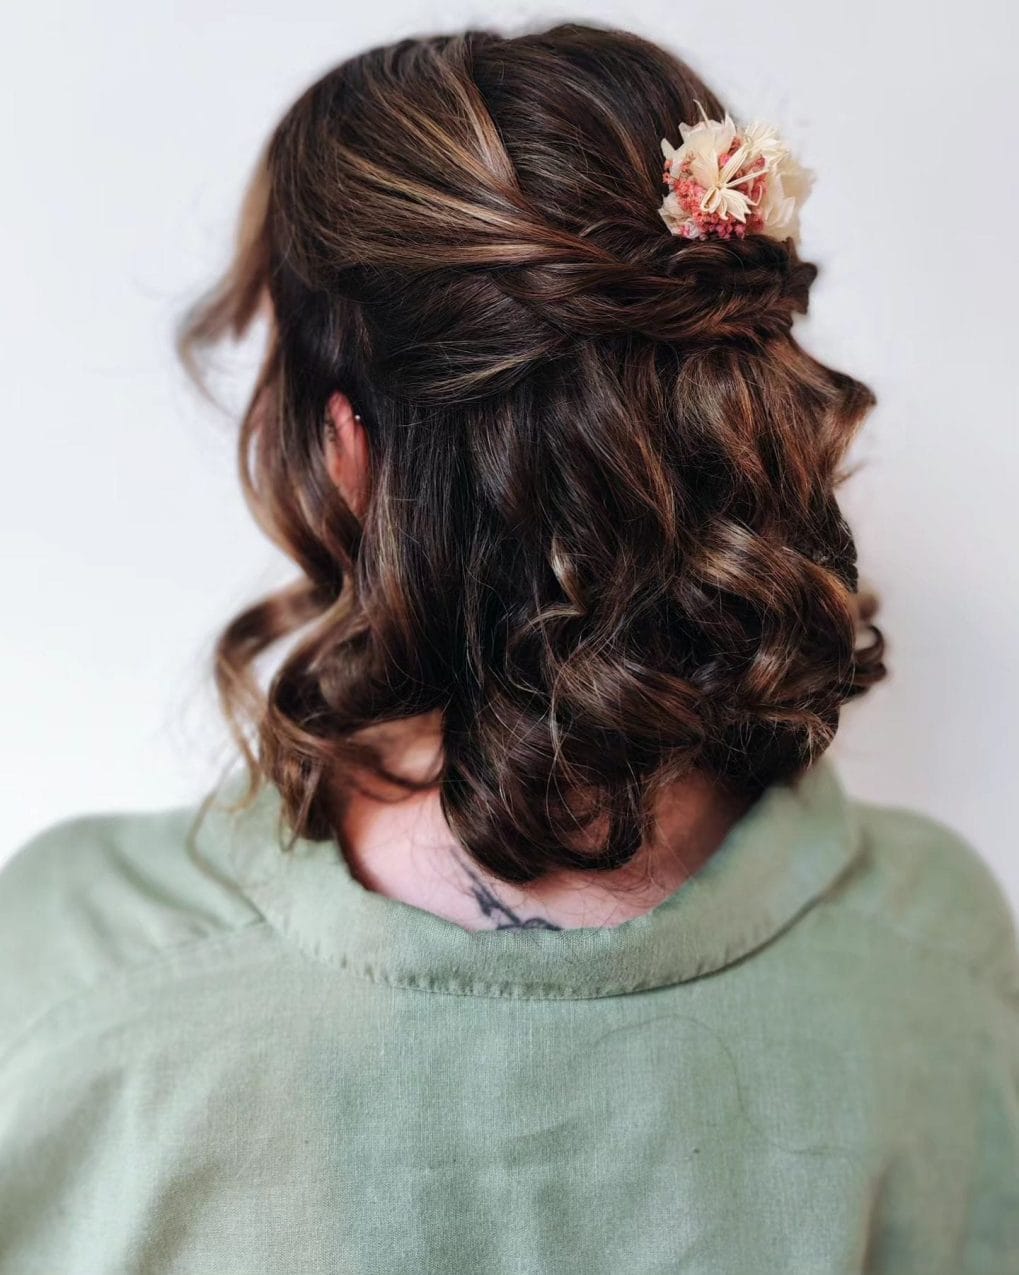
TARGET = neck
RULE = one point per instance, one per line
(405, 850)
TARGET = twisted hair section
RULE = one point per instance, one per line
(603, 546)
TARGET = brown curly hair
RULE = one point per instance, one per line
(602, 541)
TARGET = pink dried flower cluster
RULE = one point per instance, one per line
(726, 182)
(700, 224)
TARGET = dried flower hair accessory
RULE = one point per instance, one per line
(727, 182)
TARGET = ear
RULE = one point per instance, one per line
(346, 451)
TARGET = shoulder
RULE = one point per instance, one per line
(97, 896)
(920, 879)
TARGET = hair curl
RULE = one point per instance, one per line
(602, 540)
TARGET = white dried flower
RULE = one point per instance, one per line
(727, 182)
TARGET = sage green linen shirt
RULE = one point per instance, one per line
(219, 1059)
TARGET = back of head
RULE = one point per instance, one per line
(602, 540)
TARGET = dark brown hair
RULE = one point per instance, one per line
(602, 539)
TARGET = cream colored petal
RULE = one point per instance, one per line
(785, 192)
(763, 143)
(674, 215)
(726, 135)
(716, 135)
(733, 164)
(704, 168)
(777, 216)
(796, 180)
(762, 137)
(733, 203)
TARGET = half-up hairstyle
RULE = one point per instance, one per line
(602, 541)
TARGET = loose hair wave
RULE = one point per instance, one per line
(602, 542)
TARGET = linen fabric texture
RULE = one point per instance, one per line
(217, 1058)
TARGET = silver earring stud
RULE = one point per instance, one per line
(327, 416)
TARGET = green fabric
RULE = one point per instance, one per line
(218, 1059)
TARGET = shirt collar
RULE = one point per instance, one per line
(776, 860)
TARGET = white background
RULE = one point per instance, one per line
(130, 130)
